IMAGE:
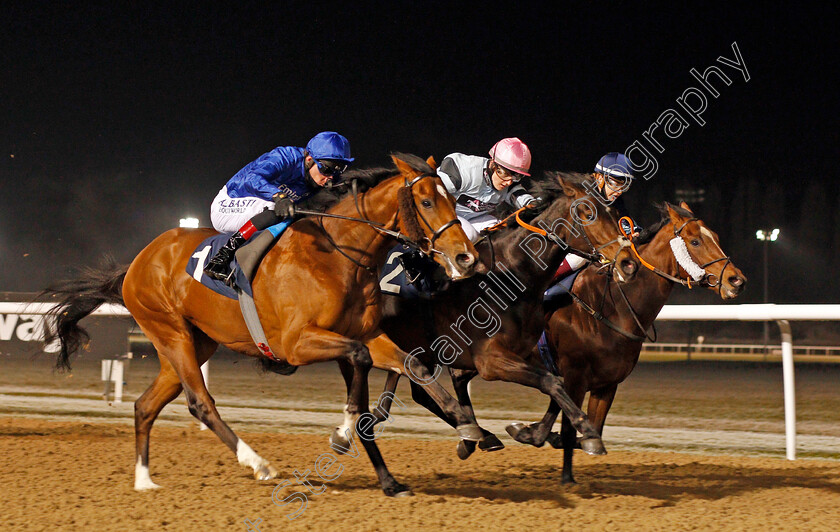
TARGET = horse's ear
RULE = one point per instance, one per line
(685, 206)
(672, 214)
(568, 189)
(431, 162)
(404, 168)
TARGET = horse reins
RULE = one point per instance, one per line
(425, 245)
(685, 282)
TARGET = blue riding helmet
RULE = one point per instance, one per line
(616, 166)
(329, 145)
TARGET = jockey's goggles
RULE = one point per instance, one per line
(331, 167)
(507, 173)
(617, 182)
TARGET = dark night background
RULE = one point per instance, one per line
(118, 122)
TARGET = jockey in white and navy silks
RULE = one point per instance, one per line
(479, 184)
(613, 176)
(263, 193)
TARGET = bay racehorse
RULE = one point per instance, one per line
(596, 355)
(489, 323)
(316, 293)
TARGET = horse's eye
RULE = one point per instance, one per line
(695, 242)
(426, 203)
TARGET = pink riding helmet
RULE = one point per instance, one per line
(513, 154)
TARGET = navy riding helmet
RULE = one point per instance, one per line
(616, 166)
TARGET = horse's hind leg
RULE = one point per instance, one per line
(163, 390)
(186, 347)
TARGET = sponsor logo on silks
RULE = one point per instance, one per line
(231, 203)
(290, 193)
(474, 204)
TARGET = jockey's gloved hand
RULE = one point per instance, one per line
(284, 207)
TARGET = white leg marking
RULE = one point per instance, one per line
(142, 479)
(248, 457)
(348, 424)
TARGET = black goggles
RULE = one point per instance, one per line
(330, 167)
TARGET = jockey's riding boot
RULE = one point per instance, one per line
(250, 256)
(218, 267)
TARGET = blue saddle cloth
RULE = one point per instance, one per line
(195, 267)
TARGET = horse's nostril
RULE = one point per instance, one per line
(628, 266)
(736, 281)
(465, 259)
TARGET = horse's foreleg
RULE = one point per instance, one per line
(460, 382)
(318, 343)
(387, 355)
(600, 402)
(383, 407)
(499, 363)
(568, 434)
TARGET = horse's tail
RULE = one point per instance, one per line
(77, 298)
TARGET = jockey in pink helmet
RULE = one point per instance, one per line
(480, 184)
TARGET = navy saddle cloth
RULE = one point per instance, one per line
(409, 275)
(205, 250)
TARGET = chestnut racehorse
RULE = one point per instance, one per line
(490, 323)
(316, 293)
(596, 355)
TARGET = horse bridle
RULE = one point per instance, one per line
(685, 282)
(435, 233)
(425, 244)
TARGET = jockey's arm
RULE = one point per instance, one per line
(451, 177)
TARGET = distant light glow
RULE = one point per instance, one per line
(189, 222)
(767, 234)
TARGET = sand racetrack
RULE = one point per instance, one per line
(78, 476)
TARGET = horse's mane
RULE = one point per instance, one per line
(547, 189)
(665, 217)
(366, 178)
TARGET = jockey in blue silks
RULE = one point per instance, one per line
(262, 195)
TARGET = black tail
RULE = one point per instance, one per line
(76, 298)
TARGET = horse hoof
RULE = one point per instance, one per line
(465, 449)
(556, 441)
(491, 443)
(593, 446)
(514, 429)
(522, 433)
(266, 472)
(147, 486)
(398, 491)
(339, 442)
(471, 432)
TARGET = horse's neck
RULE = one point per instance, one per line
(649, 293)
(378, 205)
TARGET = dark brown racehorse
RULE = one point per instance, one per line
(596, 356)
(490, 323)
(316, 293)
